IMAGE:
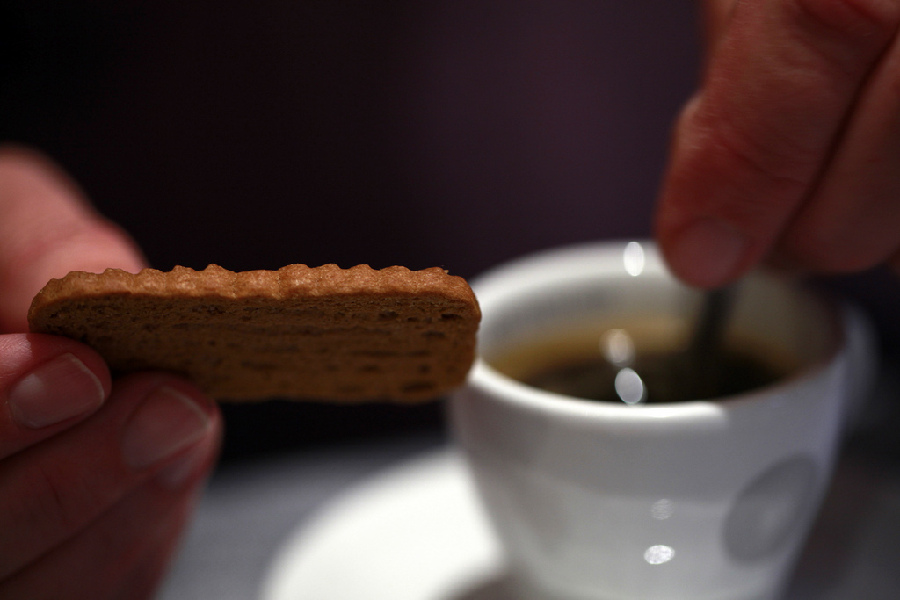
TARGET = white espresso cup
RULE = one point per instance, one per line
(696, 500)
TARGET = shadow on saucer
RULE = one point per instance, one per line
(498, 587)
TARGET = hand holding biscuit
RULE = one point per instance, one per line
(85, 464)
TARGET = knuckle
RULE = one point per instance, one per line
(761, 177)
(890, 78)
(833, 234)
(782, 163)
(55, 502)
(821, 260)
(63, 241)
(844, 28)
(894, 263)
(825, 254)
(55, 237)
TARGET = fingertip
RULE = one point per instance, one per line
(699, 246)
(48, 228)
(193, 465)
(49, 381)
(27, 350)
(189, 391)
(706, 253)
(174, 428)
(191, 468)
(21, 156)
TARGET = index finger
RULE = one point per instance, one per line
(47, 229)
(750, 145)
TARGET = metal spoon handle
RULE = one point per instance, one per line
(704, 347)
(711, 322)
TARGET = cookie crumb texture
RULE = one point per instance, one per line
(299, 332)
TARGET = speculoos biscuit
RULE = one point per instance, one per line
(299, 332)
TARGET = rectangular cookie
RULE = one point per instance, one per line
(299, 332)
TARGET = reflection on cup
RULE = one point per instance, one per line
(703, 498)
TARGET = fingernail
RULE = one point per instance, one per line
(166, 422)
(707, 252)
(57, 390)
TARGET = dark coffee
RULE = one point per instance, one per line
(633, 368)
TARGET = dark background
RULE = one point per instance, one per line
(452, 133)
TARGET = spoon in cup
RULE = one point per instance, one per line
(701, 356)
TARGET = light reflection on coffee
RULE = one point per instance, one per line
(637, 364)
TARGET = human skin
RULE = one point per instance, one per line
(97, 477)
(789, 151)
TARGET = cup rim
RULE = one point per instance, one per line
(508, 390)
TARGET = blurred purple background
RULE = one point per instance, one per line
(450, 133)
(421, 133)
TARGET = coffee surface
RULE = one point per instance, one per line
(663, 378)
(618, 366)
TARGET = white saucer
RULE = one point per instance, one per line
(417, 532)
(414, 533)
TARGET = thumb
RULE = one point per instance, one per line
(47, 229)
